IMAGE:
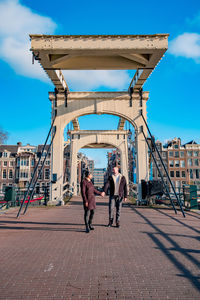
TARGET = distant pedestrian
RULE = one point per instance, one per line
(118, 190)
(88, 192)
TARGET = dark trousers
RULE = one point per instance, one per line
(115, 201)
(88, 216)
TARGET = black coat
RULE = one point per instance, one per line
(122, 187)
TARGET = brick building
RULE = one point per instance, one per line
(8, 154)
(182, 162)
(17, 164)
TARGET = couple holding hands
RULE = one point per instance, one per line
(118, 191)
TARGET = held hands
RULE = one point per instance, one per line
(125, 199)
(103, 194)
(86, 204)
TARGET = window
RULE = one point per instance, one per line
(18, 162)
(183, 173)
(182, 163)
(32, 162)
(23, 175)
(197, 173)
(4, 175)
(182, 154)
(189, 153)
(5, 154)
(171, 173)
(43, 186)
(191, 174)
(176, 154)
(196, 162)
(24, 162)
(176, 163)
(189, 162)
(10, 174)
(178, 184)
(44, 153)
(171, 154)
(196, 153)
(11, 163)
(177, 173)
(171, 163)
(175, 146)
(5, 163)
(46, 174)
(47, 162)
(164, 154)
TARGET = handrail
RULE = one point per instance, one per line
(154, 144)
(35, 170)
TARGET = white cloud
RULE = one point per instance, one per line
(16, 23)
(186, 45)
(90, 80)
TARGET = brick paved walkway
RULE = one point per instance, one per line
(47, 255)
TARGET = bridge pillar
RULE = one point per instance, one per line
(73, 164)
(57, 160)
(142, 167)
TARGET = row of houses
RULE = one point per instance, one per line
(18, 162)
(181, 161)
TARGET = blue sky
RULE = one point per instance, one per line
(174, 106)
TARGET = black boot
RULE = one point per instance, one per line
(110, 223)
(90, 220)
(87, 230)
(91, 227)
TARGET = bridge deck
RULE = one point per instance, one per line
(47, 255)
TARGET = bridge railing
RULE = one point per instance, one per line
(13, 196)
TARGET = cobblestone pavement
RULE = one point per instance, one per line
(46, 254)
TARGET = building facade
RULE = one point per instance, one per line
(17, 164)
(182, 162)
(99, 177)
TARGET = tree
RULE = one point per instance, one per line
(3, 136)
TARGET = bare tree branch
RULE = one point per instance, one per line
(3, 136)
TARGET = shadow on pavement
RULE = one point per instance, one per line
(171, 253)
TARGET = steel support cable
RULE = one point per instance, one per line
(30, 198)
(154, 144)
(160, 172)
(35, 170)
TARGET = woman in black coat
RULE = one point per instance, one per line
(88, 192)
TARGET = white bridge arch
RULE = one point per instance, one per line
(97, 139)
(84, 103)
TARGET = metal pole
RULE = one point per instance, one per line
(154, 144)
(26, 194)
(30, 198)
(160, 173)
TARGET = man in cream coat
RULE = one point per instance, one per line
(118, 191)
